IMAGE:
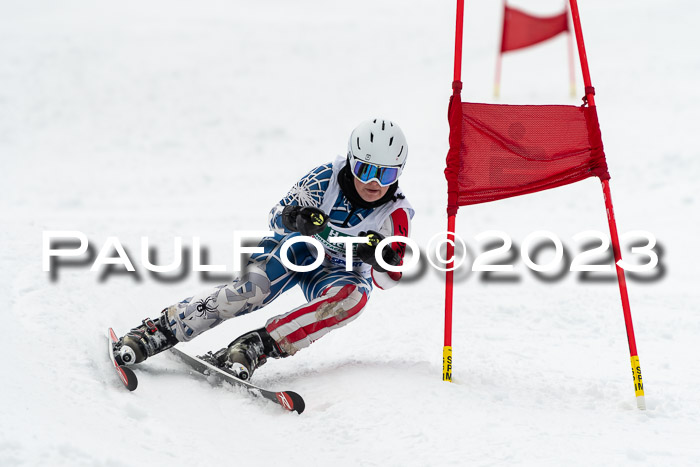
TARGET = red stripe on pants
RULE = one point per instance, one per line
(342, 294)
(301, 333)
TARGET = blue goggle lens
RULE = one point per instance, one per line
(367, 172)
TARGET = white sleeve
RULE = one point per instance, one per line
(398, 223)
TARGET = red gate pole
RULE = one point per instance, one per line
(458, 40)
(451, 206)
(449, 283)
(572, 76)
(590, 99)
(499, 58)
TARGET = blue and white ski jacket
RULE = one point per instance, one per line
(320, 189)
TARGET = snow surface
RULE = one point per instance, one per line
(182, 118)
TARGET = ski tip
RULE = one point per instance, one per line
(131, 382)
(299, 404)
(291, 401)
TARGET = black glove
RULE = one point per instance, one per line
(304, 219)
(365, 251)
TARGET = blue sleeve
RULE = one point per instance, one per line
(308, 191)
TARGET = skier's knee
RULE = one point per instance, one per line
(195, 315)
(245, 294)
(335, 307)
(341, 301)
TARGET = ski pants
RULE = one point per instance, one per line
(335, 297)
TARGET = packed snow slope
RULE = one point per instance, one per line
(191, 119)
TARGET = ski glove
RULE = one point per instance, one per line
(365, 251)
(304, 219)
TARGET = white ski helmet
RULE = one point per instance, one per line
(377, 150)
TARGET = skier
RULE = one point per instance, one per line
(357, 195)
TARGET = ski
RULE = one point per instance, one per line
(126, 375)
(288, 400)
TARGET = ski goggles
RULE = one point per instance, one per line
(366, 172)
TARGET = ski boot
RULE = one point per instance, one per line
(146, 340)
(245, 354)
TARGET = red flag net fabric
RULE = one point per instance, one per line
(522, 30)
(500, 151)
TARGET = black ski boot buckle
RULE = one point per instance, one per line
(150, 325)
